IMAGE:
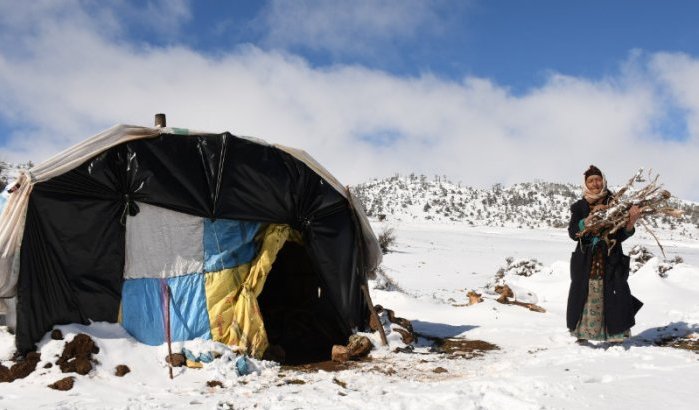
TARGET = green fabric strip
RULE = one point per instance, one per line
(595, 239)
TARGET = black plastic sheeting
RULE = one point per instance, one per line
(72, 255)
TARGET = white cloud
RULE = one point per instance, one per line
(72, 80)
(23, 22)
(679, 73)
(350, 27)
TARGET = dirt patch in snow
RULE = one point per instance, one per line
(76, 358)
(327, 366)
(214, 383)
(463, 348)
(77, 355)
(21, 369)
(121, 370)
(690, 342)
(63, 384)
(458, 348)
(176, 359)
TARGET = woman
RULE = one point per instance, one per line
(600, 304)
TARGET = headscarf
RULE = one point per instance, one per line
(589, 196)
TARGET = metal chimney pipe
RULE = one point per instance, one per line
(160, 121)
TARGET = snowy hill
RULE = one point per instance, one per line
(537, 364)
(434, 262)
(525, 205)
(9, 172)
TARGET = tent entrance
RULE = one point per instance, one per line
(300, 322)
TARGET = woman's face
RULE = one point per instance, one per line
(594, 184)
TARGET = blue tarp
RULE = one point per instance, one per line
(188, 315)
(228, 243)
(142, 309)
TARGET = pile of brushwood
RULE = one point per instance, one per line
(652, 199)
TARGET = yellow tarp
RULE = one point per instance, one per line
(231, 295)
(222, 289)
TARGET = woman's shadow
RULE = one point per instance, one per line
(429, 332)
(659, 336)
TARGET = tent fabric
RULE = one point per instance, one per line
(217, 305)
(12, 222)
(221, 289)
(234, 313)
(161, 243)
(143, 309)
(12, 219)
(368, 241)
(189, 318)
(72, 259)
(67, 217)
(248, 326)
(228, 243)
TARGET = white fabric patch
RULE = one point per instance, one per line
(161, 243)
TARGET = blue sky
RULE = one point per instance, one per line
(482, 91)
(515, 43)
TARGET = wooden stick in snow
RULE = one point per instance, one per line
(167, 327)
(367, 297)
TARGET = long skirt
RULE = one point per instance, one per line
(591, 324)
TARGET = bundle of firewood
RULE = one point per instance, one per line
(651, 199)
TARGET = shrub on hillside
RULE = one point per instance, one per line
(3, 178)
(639, 255)
(519, 267)
(522, 267)
(387, 238)
(668, 264)
(385, 282)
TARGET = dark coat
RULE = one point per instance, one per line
(620, 306)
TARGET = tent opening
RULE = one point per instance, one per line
(300, 322)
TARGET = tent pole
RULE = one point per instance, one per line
(167, 327)
(365, 289)
(367, 297)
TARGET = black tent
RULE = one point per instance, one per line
(78, 204)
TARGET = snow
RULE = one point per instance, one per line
(537, 365)
(526, 206)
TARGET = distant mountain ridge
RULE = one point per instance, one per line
(524, 205)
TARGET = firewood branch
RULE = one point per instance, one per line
(652, 199)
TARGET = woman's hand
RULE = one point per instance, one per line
(634, 215)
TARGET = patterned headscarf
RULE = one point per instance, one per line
(589, 196)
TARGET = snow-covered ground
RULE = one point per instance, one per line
(537, 366)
